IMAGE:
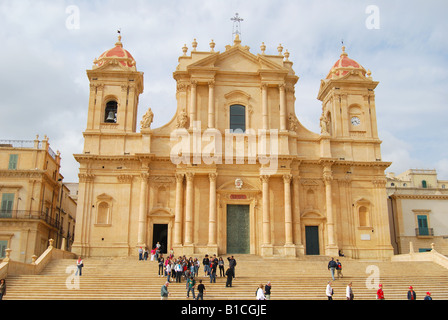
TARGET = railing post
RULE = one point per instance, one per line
(51, 243)
(8, 255)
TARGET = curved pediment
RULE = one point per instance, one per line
(233, 185)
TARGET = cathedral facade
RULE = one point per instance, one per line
(234, 171)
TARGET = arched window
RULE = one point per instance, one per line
(110, 113)
(238, 118)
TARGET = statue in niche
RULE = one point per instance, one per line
(324, 123)
(147, 119)
(182, 119)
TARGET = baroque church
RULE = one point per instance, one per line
(234, 171)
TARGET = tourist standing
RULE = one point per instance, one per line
(260, 293)
(229, 275)
(329, 291)
(267, 290)
(140, 254)
(206, 263)
(232, 264)
(79, 265)
(161, 260)
(2, 288)
(428, 296)
(380, 293)
(221, 267)
(411, 294)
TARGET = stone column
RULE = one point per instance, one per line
(281, 88)
(193, 102)
(178, 210)
(288, 211)
(211, 104)
(189, 210)
(296, 215)
(266, 249)
(212, 238)
(264, 104)
(141, 242)
(328, 178)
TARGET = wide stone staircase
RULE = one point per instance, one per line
(291, 279)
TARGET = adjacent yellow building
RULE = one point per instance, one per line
(234, 171)
(32, 210)
(418, 205)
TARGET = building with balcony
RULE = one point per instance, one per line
(35, 206)
(418, 210)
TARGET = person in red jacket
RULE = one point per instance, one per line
(380, 293)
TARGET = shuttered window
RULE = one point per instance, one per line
(13, 161)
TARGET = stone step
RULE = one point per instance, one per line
(292, 279)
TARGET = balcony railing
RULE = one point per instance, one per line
(424, 232)
(26, 214)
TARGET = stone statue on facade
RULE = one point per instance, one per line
(147, 119)
(182, 119)
(324, 122)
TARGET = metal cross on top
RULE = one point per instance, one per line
(236, 25)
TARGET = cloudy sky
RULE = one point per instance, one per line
(48, 45)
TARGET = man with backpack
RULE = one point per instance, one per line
(339, 269)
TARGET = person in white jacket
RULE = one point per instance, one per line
(329, 291)
(349, 292)
(260, 293)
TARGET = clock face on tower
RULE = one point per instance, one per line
(356, 121)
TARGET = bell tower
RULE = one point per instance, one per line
(348, 111)
(115, 86)
(348, 101)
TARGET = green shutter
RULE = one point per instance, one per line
(13, 161)
(7, 205)
(3, 247)
(422, 225)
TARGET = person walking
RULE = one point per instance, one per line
(2, 288)
(164, 291)
(79, 265)
(339, 269)
(411, 294)
(191, 285)
(329, 291)
(349, 292)
(267, 290)
(201, 291)
(380, 293)
(168, 270)
(260, 293)
(332, 267)
(428, 296)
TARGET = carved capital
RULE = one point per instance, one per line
(180, 177)
(212, 176)
(190, 176)
(287, 178)
(264, 178)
